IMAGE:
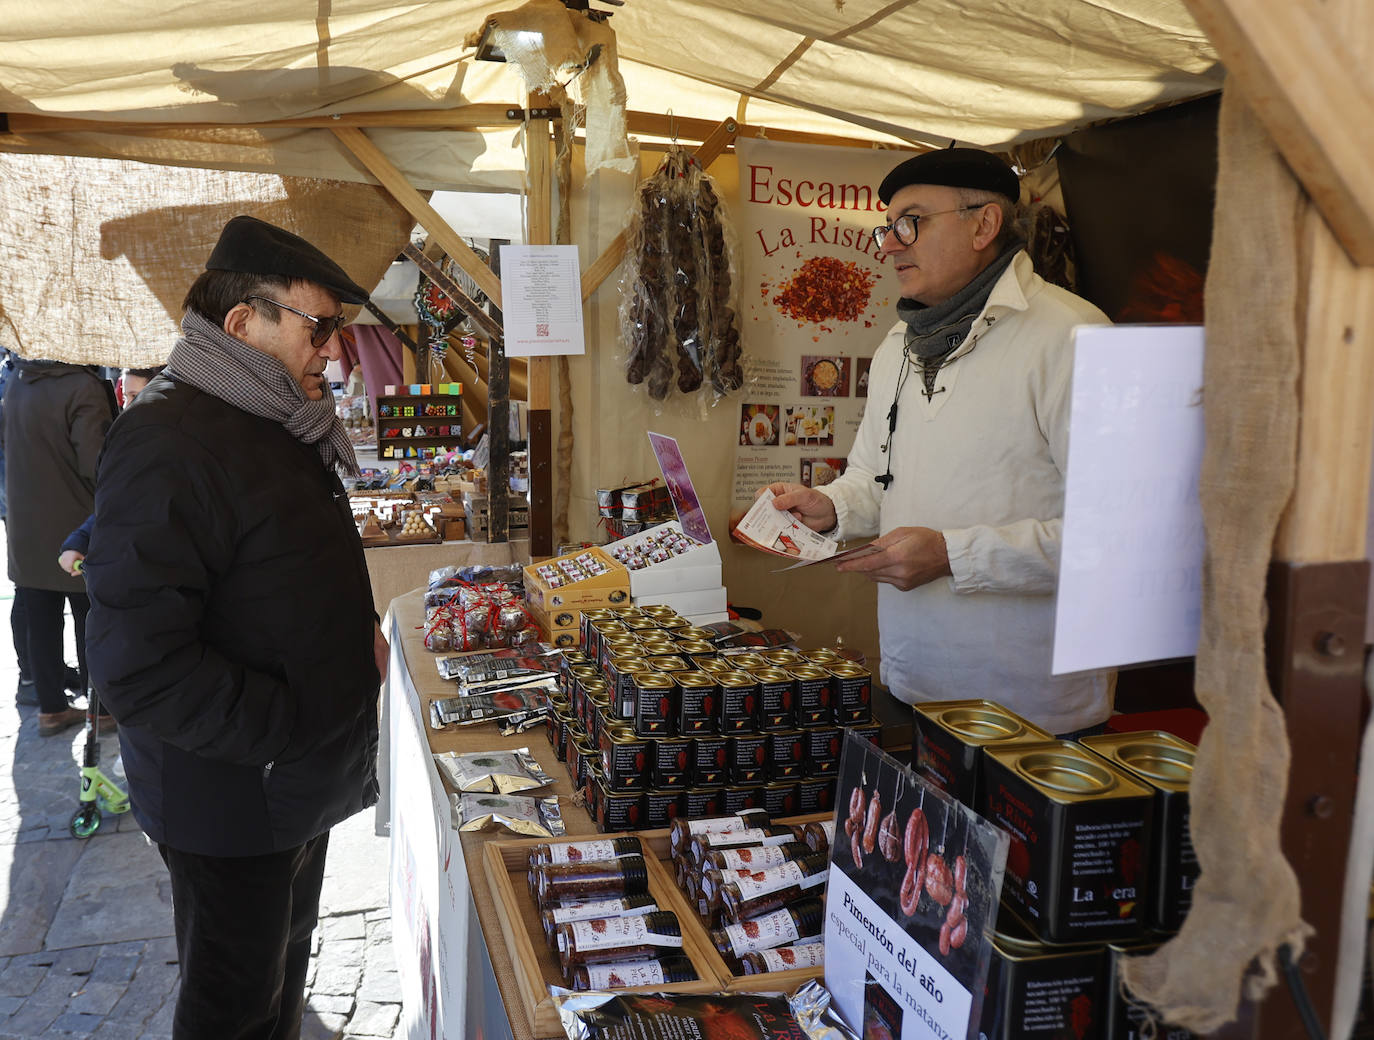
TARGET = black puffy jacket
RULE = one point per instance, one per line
(231, 627)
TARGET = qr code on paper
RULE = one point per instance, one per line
(541, 330)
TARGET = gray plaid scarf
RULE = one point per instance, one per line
(213, 361)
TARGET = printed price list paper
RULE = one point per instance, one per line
(541, 292)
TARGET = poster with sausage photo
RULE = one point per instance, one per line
(911, 901)
(817, 300)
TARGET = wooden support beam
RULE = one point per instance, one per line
(394, 182)
(1315, 96)
(539, 210)
(467, 117)
(711, 148)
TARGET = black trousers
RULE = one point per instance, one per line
(19, 630)
(243, 929)
(42, 610)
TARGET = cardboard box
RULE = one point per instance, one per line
(608, 589)
(557, 629)
(689, 604)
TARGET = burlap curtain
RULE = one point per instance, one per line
(97, 254)
(1247, 902)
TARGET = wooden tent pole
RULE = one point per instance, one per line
(390, 178)
(539, 202)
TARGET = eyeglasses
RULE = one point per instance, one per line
(906, 227)
(324, 329)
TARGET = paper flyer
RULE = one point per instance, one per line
(542, 294)
(778, 531)
(911, 902)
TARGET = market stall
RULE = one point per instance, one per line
(277, 93)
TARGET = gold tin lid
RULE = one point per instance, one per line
(715, 665)
(670, 664)
(585, 671)
(654, 680)
(598, 613)
(658, 647)
(609, 625)
(822, 656)
(809, 671)
(1160, 758)
(1066, 772)
(782, 656)
(670, 620)
(640, 623)
(848, 671)
(692, 632)
(696, 679)
(695, 646)
(981, 721)
(619, 733)
(770, 674)
(736, 679)
(746, 661)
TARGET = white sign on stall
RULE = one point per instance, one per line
(911, 902)
(1130, 573)
(541, 301)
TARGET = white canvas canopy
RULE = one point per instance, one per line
(989, 73)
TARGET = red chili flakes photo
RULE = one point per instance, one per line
(825, 288)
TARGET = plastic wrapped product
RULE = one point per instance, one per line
(499, 772)
(532, 817)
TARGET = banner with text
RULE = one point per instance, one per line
(816, 301)
(911, 902)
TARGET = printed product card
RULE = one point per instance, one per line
(911, 904)
(779, 532)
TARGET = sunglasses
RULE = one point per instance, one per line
(907, 226)
(324, 328)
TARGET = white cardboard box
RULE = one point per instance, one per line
(689, 604)
(696, 569)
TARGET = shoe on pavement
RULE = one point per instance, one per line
(28, 692)
(52, 723)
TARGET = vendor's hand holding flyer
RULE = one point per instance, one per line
(779, 532)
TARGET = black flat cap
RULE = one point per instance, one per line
(953, 168)
(248, 245)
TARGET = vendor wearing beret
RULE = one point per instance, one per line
(958, 465)
(232, 632)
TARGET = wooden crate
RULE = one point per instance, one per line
(536, 968)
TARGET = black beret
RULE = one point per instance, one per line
(248, 245)
(953, 168)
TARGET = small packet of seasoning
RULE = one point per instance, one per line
(501, 772)
(536, 658)
(536, 817)
(514, 725)
(486, 707)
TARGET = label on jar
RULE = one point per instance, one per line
(752, 836)
(599, 908)
(808, 955)
(759, 857)
(631, 973)
(762, 933)
(778, 878)
(579, 851)
(609, 933)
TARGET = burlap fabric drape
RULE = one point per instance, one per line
(97, 254)
(1247, 902)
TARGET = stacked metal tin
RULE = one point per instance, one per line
(1100, 864)
(655, 723)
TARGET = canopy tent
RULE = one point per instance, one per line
(261, 89)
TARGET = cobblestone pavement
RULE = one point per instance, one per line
(86, 947)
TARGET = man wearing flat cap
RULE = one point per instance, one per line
(958, 465)
(232, 632)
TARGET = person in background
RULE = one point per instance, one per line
(131, 384)
(232, 633)
(27, 692)
(55, 420)
(961, 475)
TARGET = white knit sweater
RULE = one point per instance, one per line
(982, 461)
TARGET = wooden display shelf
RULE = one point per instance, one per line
(536, 967)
